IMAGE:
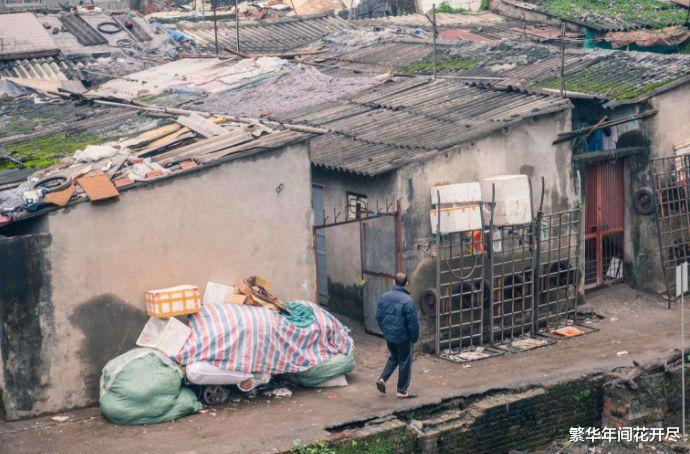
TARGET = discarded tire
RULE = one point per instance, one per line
(643, 200)
(53, 183)
(109, 28)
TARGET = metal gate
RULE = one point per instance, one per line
(461, 290)
(604, 221)
(512, 281)
(670, 179)
(380, 251)
(558, 262)
(498, 284)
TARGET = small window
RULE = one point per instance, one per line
(356, 206)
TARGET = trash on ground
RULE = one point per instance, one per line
(568, 331)
(214, 351)
(621, 353)
(143, 386)
(280, 392)
(60, 418)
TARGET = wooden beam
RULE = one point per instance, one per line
(605, 155)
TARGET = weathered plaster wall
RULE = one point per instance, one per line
(217, 224)
(667, 128)
(524, 149)
(343, 242)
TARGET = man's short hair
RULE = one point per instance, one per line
(401, 279)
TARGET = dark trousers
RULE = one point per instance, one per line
(400, 357)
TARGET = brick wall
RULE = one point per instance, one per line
(495, 423)
(656, 402)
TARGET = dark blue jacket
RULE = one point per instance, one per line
(397, 316)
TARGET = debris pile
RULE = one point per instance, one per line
(202, 357)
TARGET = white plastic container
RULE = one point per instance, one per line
(512, 199)
(166, 335)
(216, 293)
(460, 207)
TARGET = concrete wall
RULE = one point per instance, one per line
(667, 128)
(524, 149)
(218, 224)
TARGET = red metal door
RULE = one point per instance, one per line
(604, 221)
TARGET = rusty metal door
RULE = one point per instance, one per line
(604, 223)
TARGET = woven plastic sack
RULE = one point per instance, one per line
(143, 386)
(337, 365)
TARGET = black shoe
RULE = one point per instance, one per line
(381, 386)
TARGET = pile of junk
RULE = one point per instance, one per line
(196, 351)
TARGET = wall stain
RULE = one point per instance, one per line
(26, 321)
(110, 327)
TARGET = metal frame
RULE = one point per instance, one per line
(670, 178)
(558, 265)
(380, 212)
(502, 283)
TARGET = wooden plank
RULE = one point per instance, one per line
(98, 187)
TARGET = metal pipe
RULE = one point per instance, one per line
(437, 342)
(237, 27)
(215, 27)
(433, 28)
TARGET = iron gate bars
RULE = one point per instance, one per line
(558, 264)
(461, 296)
(499, 283)
(670, 180)
(512, 281)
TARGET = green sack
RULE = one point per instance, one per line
(143, 386)
(337, 365)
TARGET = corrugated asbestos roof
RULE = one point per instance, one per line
(264, 36)
(383, 128)
(479, 26)
(612, 75)
(609, 15)
(48, 68)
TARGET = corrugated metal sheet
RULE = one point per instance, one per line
(263, 36)
(382, 128)
(22, 36)
(211, 75)
(86, 34)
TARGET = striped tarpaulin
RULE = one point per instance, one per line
(255, 340)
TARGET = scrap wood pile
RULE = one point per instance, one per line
(240, 335)
(100, 172)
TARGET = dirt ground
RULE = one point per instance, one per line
(635, 322)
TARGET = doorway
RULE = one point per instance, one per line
(604, 223)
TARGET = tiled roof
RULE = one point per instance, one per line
(385, 127)
(263, 36)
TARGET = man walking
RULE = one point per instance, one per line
(397, 318)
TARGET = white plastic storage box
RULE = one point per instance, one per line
(512, 199)
(460, 207)
(165, 335)
(217, 293)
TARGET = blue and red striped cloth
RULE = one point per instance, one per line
(253, 339)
